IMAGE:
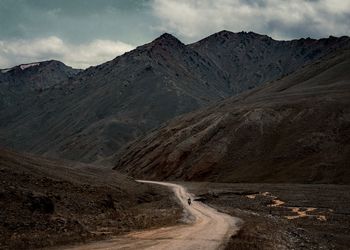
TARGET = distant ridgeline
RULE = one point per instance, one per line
(51, 109)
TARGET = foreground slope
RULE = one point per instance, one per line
(45, 202)
(92, 115)
(296, 129)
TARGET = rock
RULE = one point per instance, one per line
(42, 204)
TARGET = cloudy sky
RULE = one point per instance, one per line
(88, 32)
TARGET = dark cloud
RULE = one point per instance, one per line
(259, 3)
(77, 20)
(276, 18)
(114, 26)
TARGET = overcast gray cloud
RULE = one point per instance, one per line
(89, 32)
(80, 55)
(193, 19)
(80, 33)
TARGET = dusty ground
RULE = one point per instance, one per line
(205, 228)
(283, 216)
(49, 203)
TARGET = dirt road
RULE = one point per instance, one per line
(206, 229)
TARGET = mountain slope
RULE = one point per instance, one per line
(45, 202)
(103, 107)
(36, 76)
(92, 115)
(26, 81)
(296, 129)
(250, 59)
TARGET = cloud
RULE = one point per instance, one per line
(13, 52)
(95, 52)
(194, 19)
(77, 21)
(82, 33)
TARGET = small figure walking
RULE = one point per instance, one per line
(189, 201)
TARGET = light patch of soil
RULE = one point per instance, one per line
(276, 203)
(301, 212)
(251, 196)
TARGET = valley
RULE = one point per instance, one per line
(255, 131)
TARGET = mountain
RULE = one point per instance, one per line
(26, 80)
(36, 76)
(250, 59)
(91, 115)
(296, 129)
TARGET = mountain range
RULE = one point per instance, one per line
(88, 115)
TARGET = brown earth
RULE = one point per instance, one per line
(45, 203)
(296, 129)
(282, 216)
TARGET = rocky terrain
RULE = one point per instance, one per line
(282, 216)
(92, 114)
(19, 82)
(26, 82)
(49, 203)
(250, 59)
(296, 129)
(36, 76)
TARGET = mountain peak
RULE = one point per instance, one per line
(167, 36)
(223, 32)
(167, 39)
(41, 64)
(226, 35)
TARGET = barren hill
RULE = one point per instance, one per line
(27, 81)
(91, 115)
(296, 129)
(46, 202)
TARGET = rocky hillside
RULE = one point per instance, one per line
(92, 115)
(28, 81)
(36, 76)
(45, 202)
(250, 59)
(296, 129)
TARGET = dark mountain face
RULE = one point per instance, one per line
(26, 80)
(250, 59)
(296, 129)
(36, 76)
(92, 115)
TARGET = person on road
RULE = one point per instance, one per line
(189, 201)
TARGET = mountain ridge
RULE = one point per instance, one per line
(91, 115)
(295, 129)
(58, 71)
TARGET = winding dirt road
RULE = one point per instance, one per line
(207, 229)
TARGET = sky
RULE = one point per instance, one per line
(82, 33)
